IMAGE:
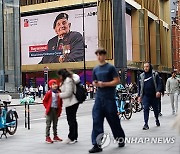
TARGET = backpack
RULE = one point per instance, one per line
(81, 93)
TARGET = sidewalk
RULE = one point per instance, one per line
(33, 141)
(38, 100)
(17, 101)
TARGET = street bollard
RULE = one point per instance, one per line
(27, 101)
(28, 117)
(25, 114)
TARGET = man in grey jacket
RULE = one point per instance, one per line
(172, 88)
(149, 91)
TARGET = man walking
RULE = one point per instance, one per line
(172, 88)
(149, 92)
(105, 78)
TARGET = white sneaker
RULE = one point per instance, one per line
(73, 142)
(69, 141)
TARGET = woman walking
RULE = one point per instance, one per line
(68, 89)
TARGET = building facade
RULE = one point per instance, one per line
(175, 18)
(10, 74)
(145, 25)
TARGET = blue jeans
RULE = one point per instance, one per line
(105, 108)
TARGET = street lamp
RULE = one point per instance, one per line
(84, 46)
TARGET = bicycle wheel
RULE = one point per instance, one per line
(128, 111)
(139, 107)
(133, 105)
(12, 122)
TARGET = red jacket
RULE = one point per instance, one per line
(48, 100)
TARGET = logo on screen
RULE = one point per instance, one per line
(92, 13)
(26, 23)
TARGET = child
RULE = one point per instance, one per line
(53, 106)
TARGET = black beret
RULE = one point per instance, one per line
(60, 16)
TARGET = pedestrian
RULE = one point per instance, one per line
(105, 78)
(40, 91)
(32, 92)
(162, 94)
(53, 105)
(21, 89)
(68, 89)
(91, 91)
(36, 91)
(172, 88)
(149, 92)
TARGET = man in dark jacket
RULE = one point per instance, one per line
(149, 92)
(67, 46)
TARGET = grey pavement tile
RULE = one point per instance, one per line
(175, 148)
(156, 152)
(116, 150)
(33, 141)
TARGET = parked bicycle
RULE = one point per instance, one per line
(136, 106)
(123, 103)
(8, 118)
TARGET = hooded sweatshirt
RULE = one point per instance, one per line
(149, 87)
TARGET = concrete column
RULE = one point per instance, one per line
(119, 28)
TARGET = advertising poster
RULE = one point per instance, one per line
(58, 37)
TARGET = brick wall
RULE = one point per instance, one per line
(176, 41)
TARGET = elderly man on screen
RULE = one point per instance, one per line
(69, 43)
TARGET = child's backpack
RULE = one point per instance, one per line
(81, 93)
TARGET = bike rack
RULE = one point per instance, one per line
(27, 101)
(27, 115)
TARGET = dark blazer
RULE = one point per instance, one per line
(76, 43)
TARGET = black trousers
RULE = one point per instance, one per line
(147, 102)
(72, 122)
(159, 105)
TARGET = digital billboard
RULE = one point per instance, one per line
(58, 37)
